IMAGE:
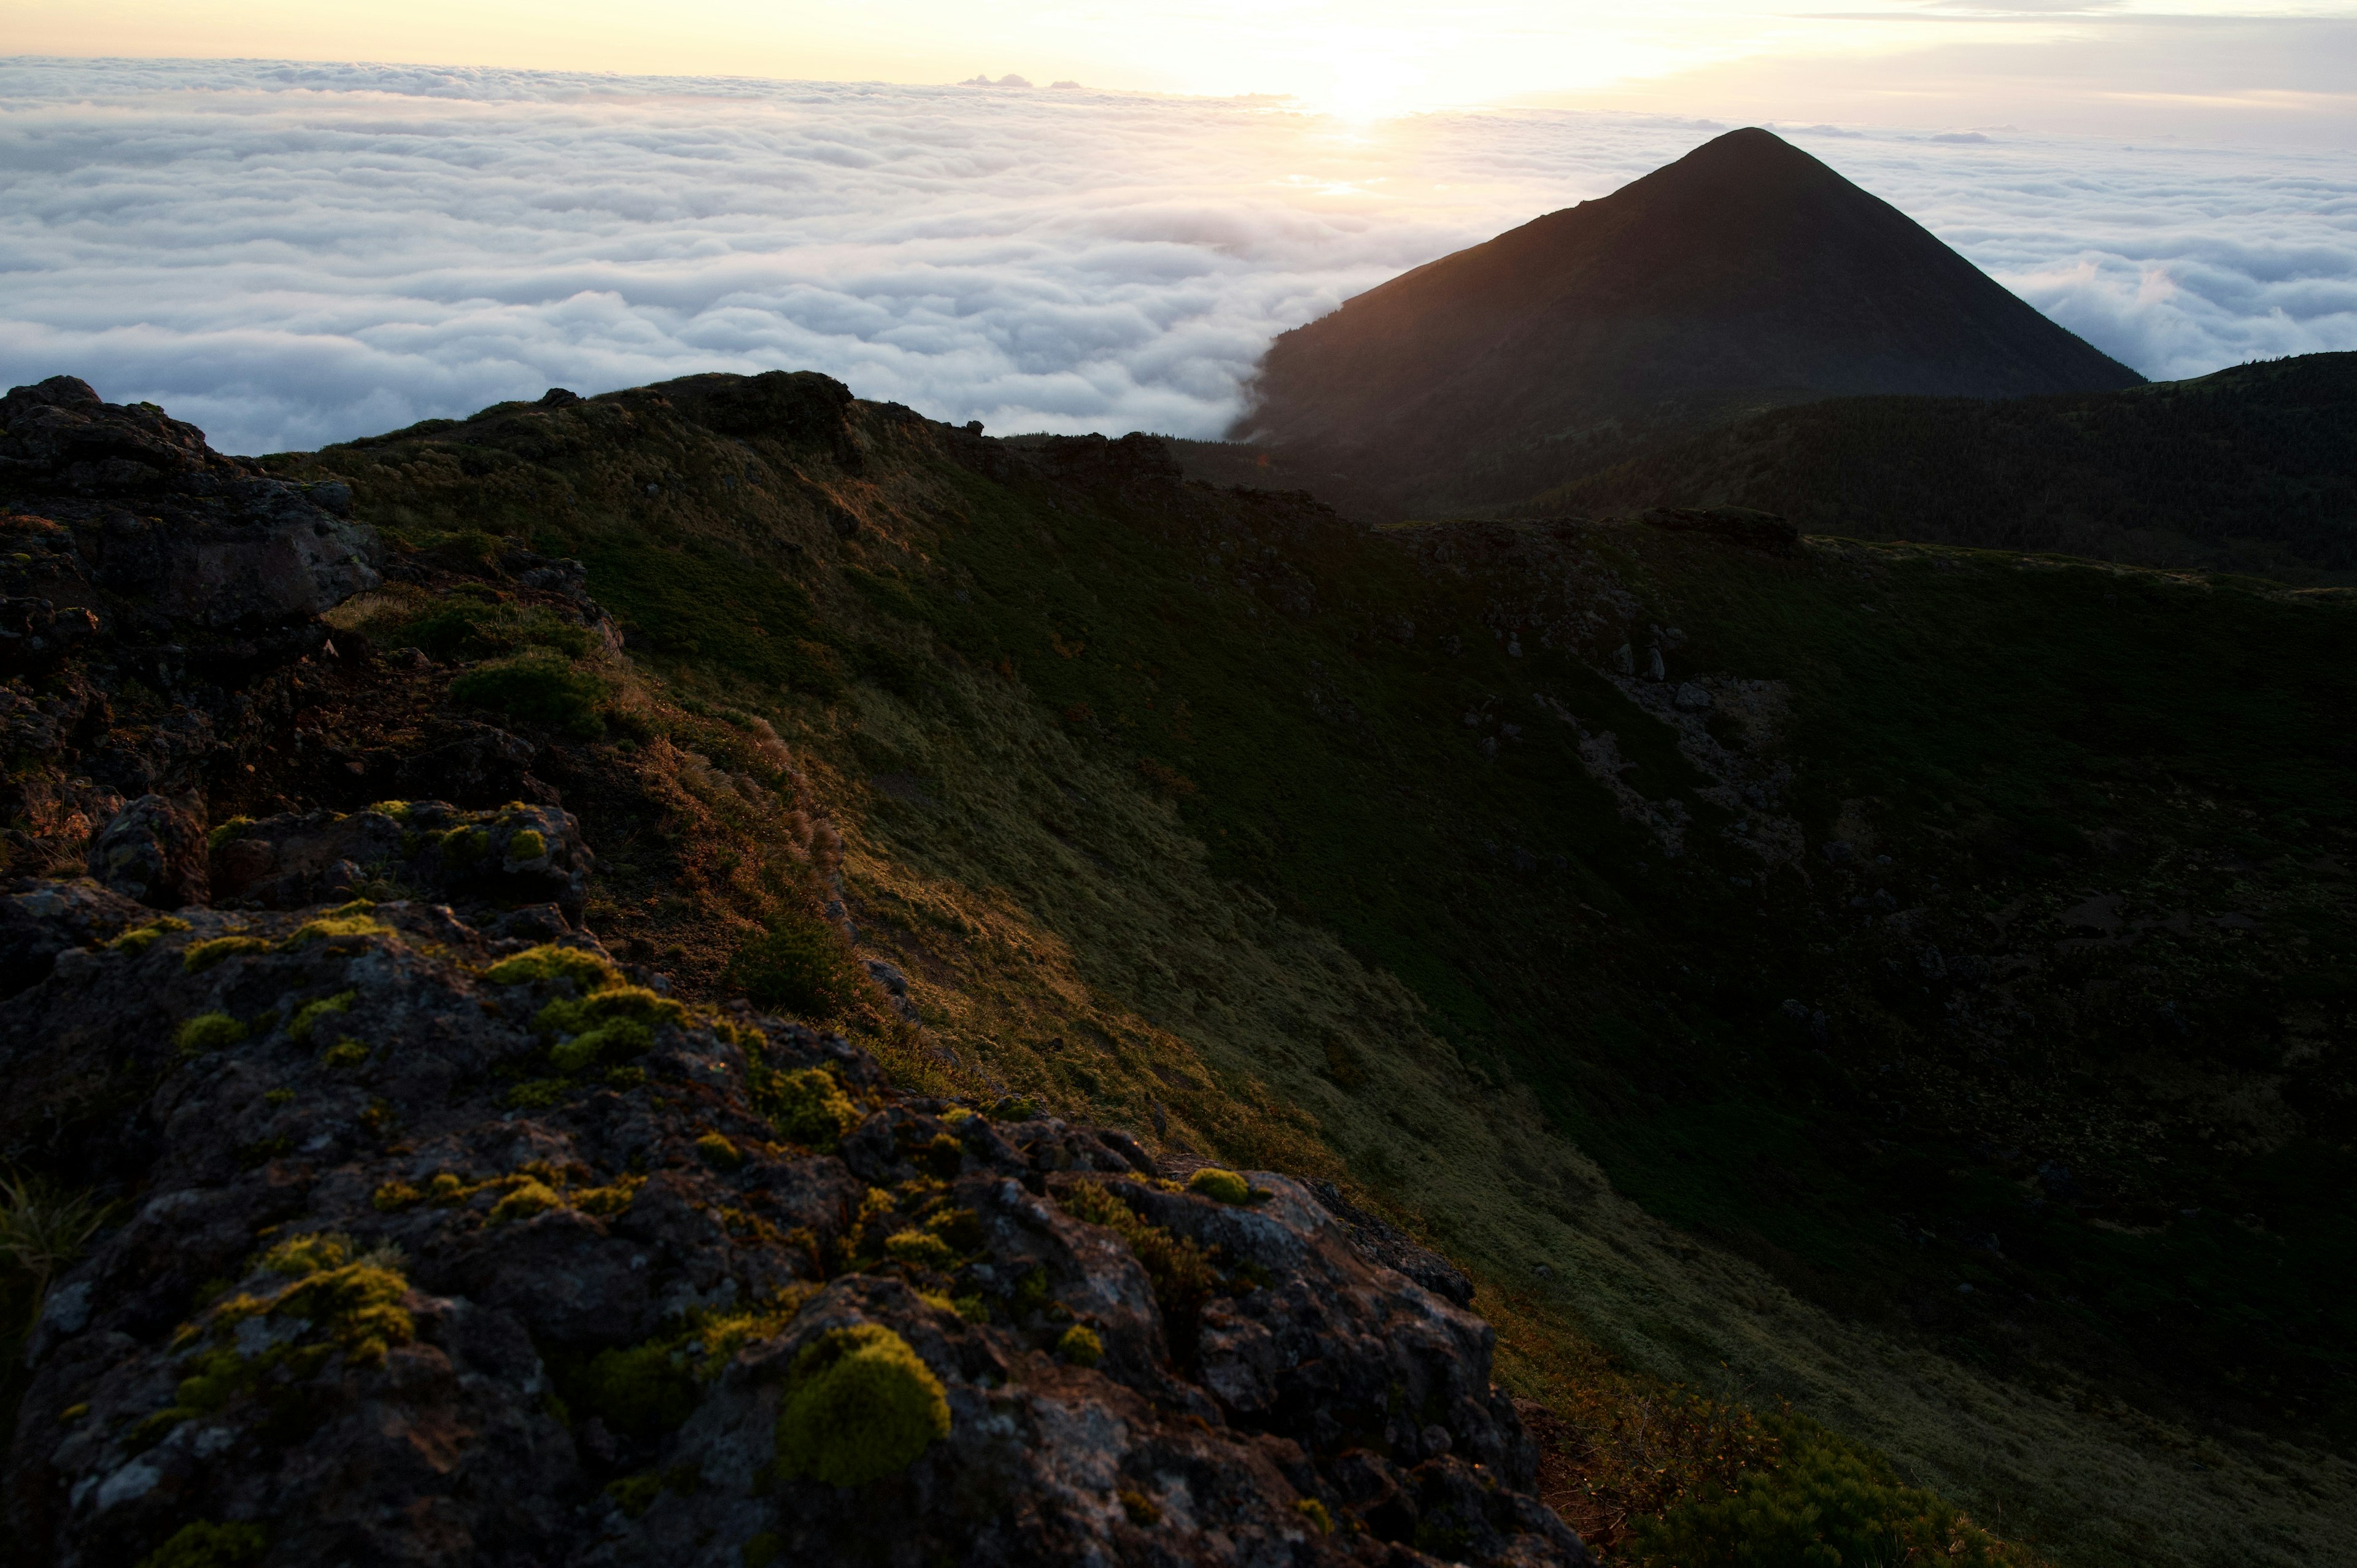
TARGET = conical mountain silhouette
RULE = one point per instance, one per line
(1745, 273)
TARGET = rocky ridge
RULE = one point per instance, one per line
(444, 1236)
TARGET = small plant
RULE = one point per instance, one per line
(227, 831)
(278, 1097)
(1311, 1509)
(1182, 1273)
(345, 1053)
(1227, 1187)
(208, 1031)
(718, 1152)
(860, 1405)
(1080, 1346)
(527, 844)
(43, 1228)
(1140, 1509)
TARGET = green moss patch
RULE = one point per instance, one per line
(860, 1405)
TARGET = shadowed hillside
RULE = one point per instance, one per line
(1884, 920)
(2252, 469)
(1744, 275)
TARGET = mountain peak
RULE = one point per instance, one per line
(1747, 272)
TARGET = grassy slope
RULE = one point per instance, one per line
(2248, 469)
(1290, 936)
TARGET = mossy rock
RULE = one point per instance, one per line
(860, 1405)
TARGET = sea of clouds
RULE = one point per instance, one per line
(292, 254)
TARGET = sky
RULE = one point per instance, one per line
(294, 252)
(2265, 68)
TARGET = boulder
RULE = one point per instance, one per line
(152, 850)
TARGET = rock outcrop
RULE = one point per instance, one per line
(454, 1248)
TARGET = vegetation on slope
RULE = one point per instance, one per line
(1353, 855)
(2252, 469)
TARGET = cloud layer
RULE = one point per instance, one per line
(294, 254)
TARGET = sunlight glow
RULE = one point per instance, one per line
(1360, 61)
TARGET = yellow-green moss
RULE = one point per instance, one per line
(1225, 1185)
(464, 845)
(806, 1107)
(538, 1094)
(531, 1198)
(397, 810)
(308, 1016)
(205, 1544)
(226, 831)
(395, 1195)
(549, 961)
(609, 1199)
(528, 845)
(203, 955)
(718, 1152)
(860, 1405)
(139, 938)
(618, 1037)
(338, 927)
(920, 1249)
(278, 1097)
(345, 1053)
(1080, 1346)
(1314, 1512)
(636, 1002)
(208, 1032)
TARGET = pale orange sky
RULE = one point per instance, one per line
(2241, 69)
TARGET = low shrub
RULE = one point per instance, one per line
(1826, 1505)
(1080, 1346)
(799, 965)
(860, 1405)
(541, 685)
